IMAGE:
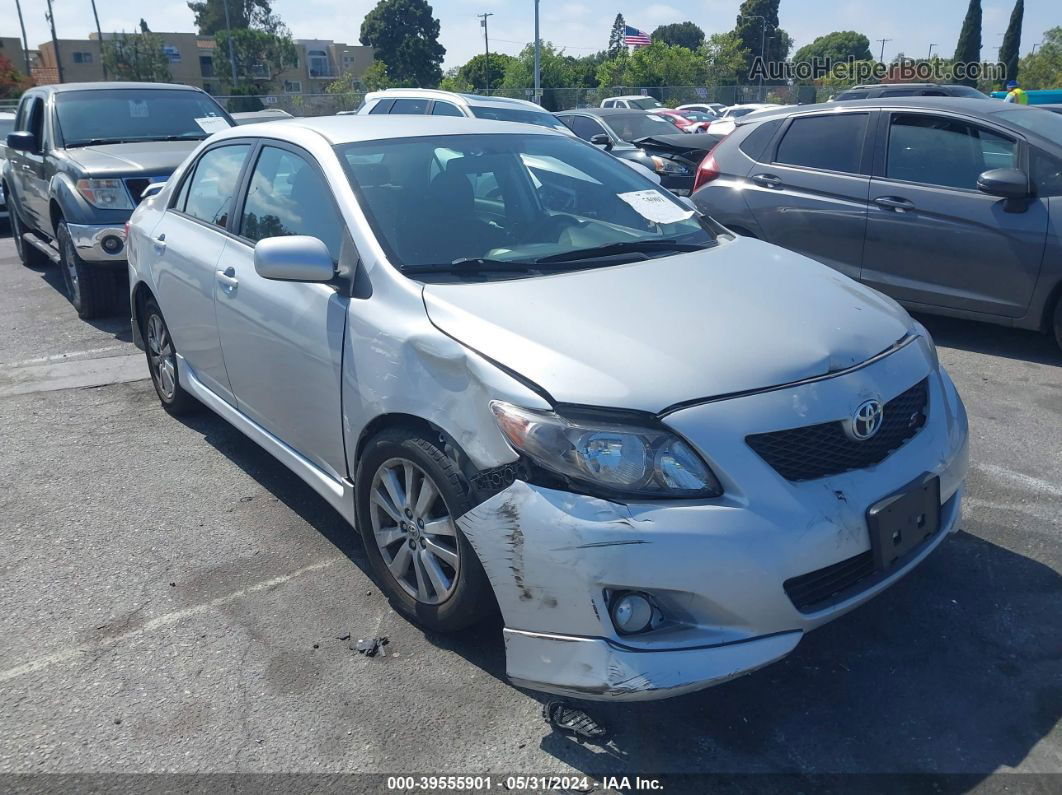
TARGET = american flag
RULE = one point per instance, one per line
(633, 37)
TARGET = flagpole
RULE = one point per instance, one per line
(538, 95)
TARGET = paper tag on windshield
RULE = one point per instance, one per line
(212, 124)
(138, 110)
(656, 208)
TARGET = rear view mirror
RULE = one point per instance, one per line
(1010, 183)
(293, 258)
(22, 141)
(601, 139)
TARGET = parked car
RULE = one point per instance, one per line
(687, 120)
(948, 205)
(645, 138)
(79, 160)
(1052, 108)
(635, 101)
(450, 362)
(725, 124)
(715, 108)
(7, 124)
(890, 90)
(418, 101)
(258, 116)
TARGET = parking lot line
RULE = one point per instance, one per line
(165, 620)
(1020, 478)
(51, 376)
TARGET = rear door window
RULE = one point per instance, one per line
(830, 143)
(756, 142)
(383, 106)
(445, 109)
(410, 106)
(212, 188)
(938, 150)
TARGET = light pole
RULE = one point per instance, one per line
(538, 59)
(930, 56)
(99, 35)
(486, 48)
(232, 54)
(55, 43)
(25, 46)
(883, 41)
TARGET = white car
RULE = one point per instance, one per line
(634, 102)
(431, 102)
(715, 108)
(728, 121)
(532, 378)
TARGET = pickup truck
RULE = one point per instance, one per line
(80, 159)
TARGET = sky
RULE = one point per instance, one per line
(578, 26)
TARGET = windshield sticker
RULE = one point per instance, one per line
(212, 124)
(654, 207)
(138, 109)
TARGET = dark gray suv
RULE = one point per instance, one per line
(951, 206)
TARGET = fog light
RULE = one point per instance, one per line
(631, 613)
(111, 244)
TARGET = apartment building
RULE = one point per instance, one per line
(11, 47)
(197, 61)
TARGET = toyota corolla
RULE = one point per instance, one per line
(537, 383)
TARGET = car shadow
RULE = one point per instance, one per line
(952, 670)
(116, 325)
(1011, 343)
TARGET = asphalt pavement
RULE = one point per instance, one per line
(173, 599)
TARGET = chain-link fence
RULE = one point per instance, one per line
(553, 99)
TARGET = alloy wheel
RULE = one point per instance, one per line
(414, 531)
(161, 356)
(73, 284)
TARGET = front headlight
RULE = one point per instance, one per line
(107, 194)
(613, 458)
(665, 166)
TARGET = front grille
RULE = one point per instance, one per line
(816, 451)
(814, 589)
(136, 187)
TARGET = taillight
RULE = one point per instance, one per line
(708, 169)
(126, 230)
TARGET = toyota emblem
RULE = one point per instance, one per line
(866, 421)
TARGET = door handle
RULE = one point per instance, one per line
(227, 278)
(159, 243)
(767, 180)
(894, 203)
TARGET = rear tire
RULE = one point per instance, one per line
(91, 289)
(27, 254)
(431, 574)
(162, 362)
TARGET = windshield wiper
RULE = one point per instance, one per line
(97, 142)
(473, 265)
(629, 247)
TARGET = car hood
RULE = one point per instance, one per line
(143, 157)
(741, 316)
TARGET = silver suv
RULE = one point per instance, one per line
(420, 101)
(533, 379)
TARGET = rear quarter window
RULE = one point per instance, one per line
(755, 143)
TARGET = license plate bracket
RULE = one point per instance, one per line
(903, 520)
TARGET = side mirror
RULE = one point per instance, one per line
(22, 141)
(601, 139)
(1010, 183)
(293, 258)
(154, 189)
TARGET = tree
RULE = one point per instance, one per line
(12, 82)
(757, 28)
(725, 58)
(472, 73)
(452, 81)
(136, 56)
(1008, 50)
(210, 15)
(655, 67)
(968, 50)
(555, 73)
(406, 38)
(684, 34)
(617, 42)
(260, 57)
(1044, 69)
(835, 48)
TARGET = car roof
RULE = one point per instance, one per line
(971, 105)
(350, 129)
(452, 96)
(608, 111)
(62, 88)
(630, 96)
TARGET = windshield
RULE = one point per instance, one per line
(632, 126)
(541, 118)
(645, 103)
(120, 115)
(507, 202)
(1046, 125)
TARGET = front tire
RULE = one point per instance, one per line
(409, 494)
(92, 290)
(162, 362)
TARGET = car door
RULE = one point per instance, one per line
(932, 237)
(27, 168)
(187, 245)
(810, 192)
(283, 341)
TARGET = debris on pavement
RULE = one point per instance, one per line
(370, 647)
(573, 720)
(344, 636)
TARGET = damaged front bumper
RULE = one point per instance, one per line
(716, 569)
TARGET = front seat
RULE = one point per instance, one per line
(451, 229)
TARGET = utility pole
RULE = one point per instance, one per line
(930, 56)
(55, 43)
(1031, 53)
(883, 48)
(486, 48)
(232, 55)
(763, 43)
(99, 38)
(25, 45)
(538, 63)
